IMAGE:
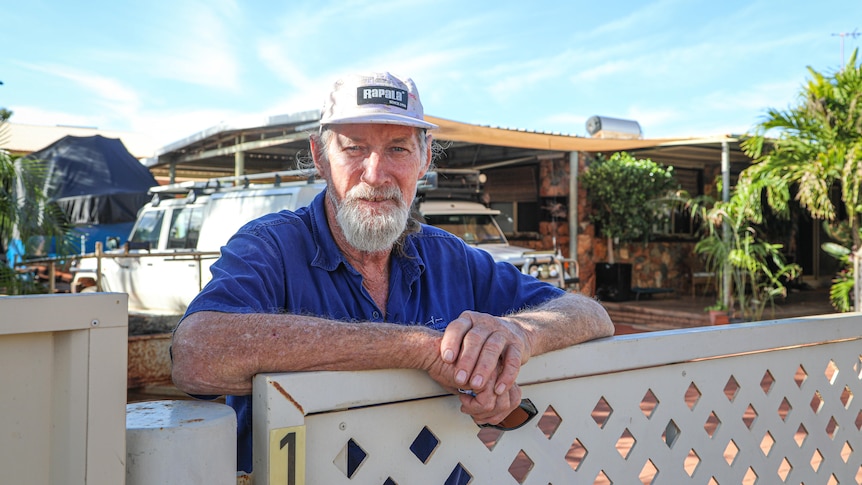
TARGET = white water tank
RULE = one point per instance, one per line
(180, 442)
(606, 127)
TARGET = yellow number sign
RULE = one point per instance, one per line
(287, 456)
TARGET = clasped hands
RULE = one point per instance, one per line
(483, 354)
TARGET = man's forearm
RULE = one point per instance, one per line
(219, 353)
(563, 322)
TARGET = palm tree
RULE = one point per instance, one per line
(25, 214)
(816, 148)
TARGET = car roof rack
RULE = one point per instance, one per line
(215, 184)
(463, 184)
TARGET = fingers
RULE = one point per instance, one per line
(490, 408)
(450, 347)
(511, 366)
(480, 356)
(477, 344)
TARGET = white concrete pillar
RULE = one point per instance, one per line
(180, 442)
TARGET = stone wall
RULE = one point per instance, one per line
(655, 264)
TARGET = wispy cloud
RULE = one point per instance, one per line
(165, 127)
(198, 47)
(652, 117)
(513, 77)
(276, 56)
(757, 97)
(106, 91)
(435, 56)
(634, 20)
(24, 114)
(605, 70)
(584, 57)
(566, 123)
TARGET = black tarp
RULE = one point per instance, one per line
(95, 180)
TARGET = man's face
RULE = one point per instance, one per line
(372, 171)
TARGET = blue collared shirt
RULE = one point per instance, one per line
(289, 262)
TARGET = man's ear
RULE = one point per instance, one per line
(427, 164)
(314, 143)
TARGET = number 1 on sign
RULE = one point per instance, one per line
(287, 456)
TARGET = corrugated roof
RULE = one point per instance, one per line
(24, 138)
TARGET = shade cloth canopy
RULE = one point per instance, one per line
(94, 179)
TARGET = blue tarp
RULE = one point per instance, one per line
(14, 253)
(102, 233)
(95, 180)
(97, 183)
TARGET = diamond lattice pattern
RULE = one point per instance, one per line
(779, 417)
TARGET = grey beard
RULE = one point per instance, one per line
(365, 229)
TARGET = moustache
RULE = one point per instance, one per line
(364, 192)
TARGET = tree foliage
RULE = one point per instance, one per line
(732, 240)
(26, 215)
(813, 150)
(625, 194)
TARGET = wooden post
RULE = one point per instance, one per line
(99, 265)
(52, 274)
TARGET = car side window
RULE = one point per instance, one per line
(148, 228)
(185, 228)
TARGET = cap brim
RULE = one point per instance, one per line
(382, 119)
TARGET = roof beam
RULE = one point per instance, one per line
(239, 147)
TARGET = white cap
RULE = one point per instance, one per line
(378, 97)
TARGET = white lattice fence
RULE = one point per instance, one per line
(757, 403)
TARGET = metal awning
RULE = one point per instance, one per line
(277, 143)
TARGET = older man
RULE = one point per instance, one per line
(351, 282)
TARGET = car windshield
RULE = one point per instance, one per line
(472, 228)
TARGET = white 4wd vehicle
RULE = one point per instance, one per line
(179, 234)
(448, 199)
(475, 224)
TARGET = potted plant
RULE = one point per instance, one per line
(718, 314)
(625, 194)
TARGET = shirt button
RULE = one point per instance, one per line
(375, 315)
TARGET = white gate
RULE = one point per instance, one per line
(769, 402)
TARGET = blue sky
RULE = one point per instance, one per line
(169, 69)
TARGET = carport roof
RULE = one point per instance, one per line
(276, 144)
